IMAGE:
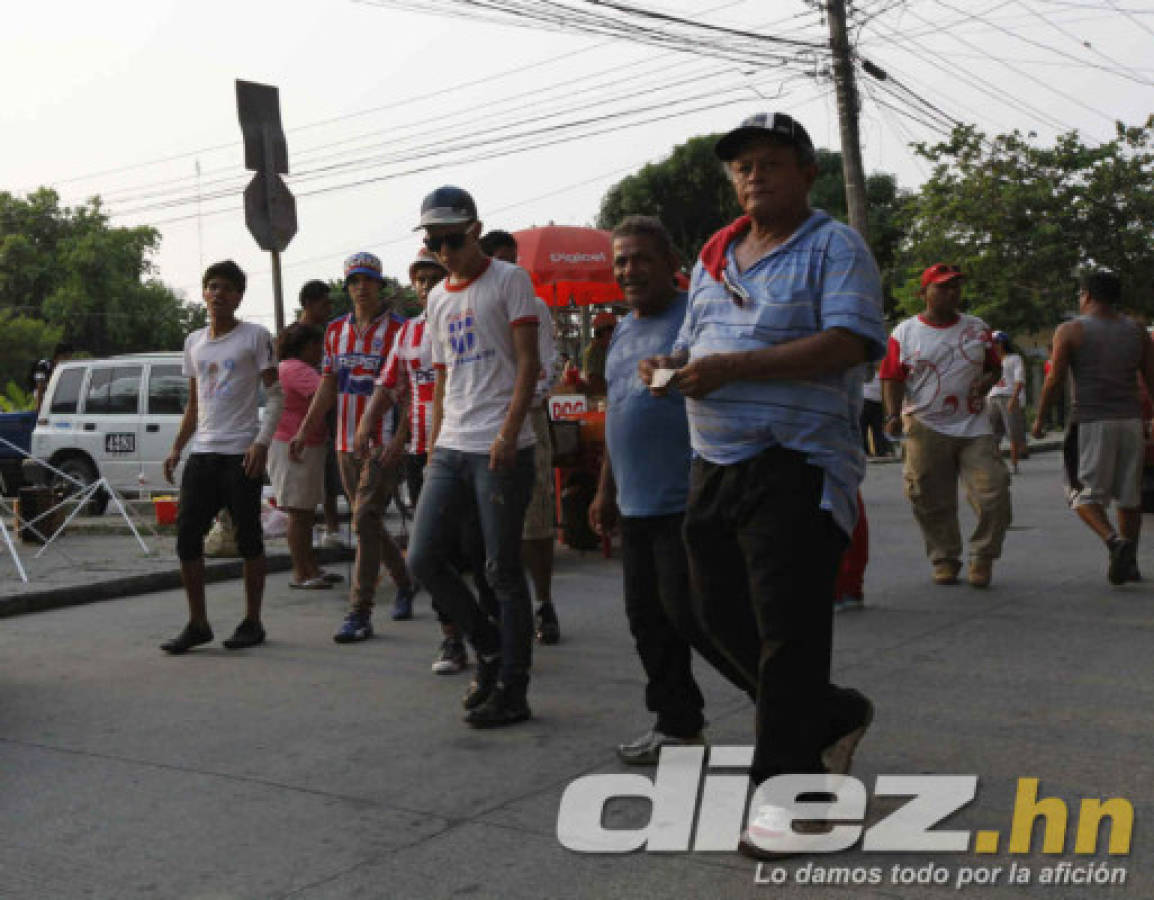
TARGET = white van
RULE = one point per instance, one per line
(114, 417)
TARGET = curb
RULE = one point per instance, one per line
(77, 595)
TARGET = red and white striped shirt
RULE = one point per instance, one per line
(410, 368)
(356, 356)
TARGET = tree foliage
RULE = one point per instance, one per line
(23, 340)
(402, 300)
(1021, 220)
(83, 280)
(691, 194)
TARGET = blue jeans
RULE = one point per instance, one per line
(454, 481)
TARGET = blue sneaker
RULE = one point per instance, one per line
(403, 604)
(847, 602)
(355, 627)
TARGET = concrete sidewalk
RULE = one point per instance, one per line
(97, 562)
(310, 770)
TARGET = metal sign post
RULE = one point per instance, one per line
(269, 208)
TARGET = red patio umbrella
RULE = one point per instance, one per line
(569, 266)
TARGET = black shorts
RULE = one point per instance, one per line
(212, 482)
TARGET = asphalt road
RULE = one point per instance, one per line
(307, 769)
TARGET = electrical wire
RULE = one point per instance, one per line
(617, 127)
(1083, 43)
(442, 148)
(236, 181)
(1039, 44)
(983, 85)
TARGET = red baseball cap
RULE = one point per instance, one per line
(939, 273)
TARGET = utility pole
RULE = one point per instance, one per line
(847, 110)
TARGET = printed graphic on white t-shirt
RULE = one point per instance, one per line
(228, 375)
(942, 370)
(470, 330)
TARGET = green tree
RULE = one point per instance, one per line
(402, 299)
(23, 340)
(94, 282)
(691, 194)
(688, 191)
(1022, 219)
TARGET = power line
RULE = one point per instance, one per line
(1132, 18)
(169, 184)
(1044, 84)
(976, 81)
(1040, 45)
(485, 156)
(1083, 43)
(442, 148)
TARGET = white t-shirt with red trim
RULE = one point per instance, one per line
(409, 370)
(470, 329)
(942, 367)
(355, 356)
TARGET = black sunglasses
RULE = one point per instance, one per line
(450, 241)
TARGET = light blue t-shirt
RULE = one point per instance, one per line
(647, 437)
(823, 277)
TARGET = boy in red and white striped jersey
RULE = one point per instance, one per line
(356, 347)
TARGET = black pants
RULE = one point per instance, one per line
(212, 482)
(659, 608)
(763, 561)
(414, 470)
(873, 421)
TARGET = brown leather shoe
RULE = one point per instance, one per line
(946, 571)
(981, 571)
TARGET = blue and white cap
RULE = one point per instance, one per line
(363, 264)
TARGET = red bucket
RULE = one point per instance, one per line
(165, 510)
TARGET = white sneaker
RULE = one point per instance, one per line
(773, 834)
(334, 541)
(453, 657)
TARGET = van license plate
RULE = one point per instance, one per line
(120, 442)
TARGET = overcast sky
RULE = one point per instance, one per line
(124, 99)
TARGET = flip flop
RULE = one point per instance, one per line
(312, 584)
(330, 577)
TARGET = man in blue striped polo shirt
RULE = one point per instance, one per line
(784, 309)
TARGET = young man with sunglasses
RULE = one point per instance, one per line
(939, 367)
(784, 308)
(482, 323)
(407, 381)
(356, 347)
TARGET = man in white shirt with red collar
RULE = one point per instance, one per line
(482, 324)
(942, 364)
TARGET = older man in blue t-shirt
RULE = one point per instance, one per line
(784, 308)
(645, 484)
